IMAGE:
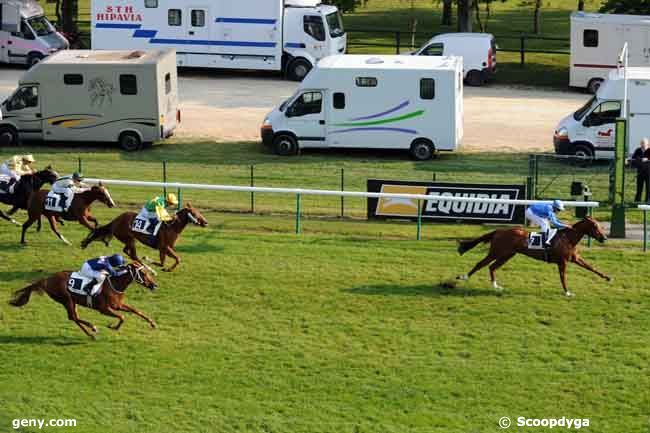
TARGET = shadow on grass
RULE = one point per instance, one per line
(39, 339)
(203, 247)
(23, 275)
(436, 290)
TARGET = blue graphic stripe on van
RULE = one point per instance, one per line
(370, 129)
(294, 45)
(383, 113)
(145, 33)
(245, 20)
(213, 43)
(117, 26)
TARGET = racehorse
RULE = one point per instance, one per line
(505, 243)
(168, 234)
(108, 301)
(24, 188)
(79, 210)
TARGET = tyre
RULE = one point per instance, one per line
(594, 85)
(285, 145)
(474, 78)
(130, 141)
(8, 136)
(298, 69)
(33, 59)
(422, 150)
(585, 154)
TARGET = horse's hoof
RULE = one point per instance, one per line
(92, 337)
(462, 277)
(94, 328)
(569, 294)
(153, 325)
(608, 279)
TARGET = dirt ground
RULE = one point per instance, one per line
(228, 106)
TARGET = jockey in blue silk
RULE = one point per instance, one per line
(543, 215)
(98, 268)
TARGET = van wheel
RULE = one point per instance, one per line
(8, 136)
(130, 141)
(594, 85)
(285, 145)
(474, 78)
(33, 59)
(422, 150)
(585, 154)
(298, 69)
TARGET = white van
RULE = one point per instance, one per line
(26, 36)
(373, 102)
(597, 41)
(275, 35)
(129, 97)
(478, 50)
(591, 131)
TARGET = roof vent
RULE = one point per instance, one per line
(374, 61)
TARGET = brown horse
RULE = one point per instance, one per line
(505, 243)
(79, 210)
(109, 301)
(167, 237)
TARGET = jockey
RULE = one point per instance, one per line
(15, 167)
(156, 210)
(98, 268)
(543, 215)
(69, 186)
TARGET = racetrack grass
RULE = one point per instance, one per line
(336, 330)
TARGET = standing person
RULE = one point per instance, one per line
(641, 161)
(543, 215)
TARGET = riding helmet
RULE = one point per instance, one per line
(172, 199)
(77, 176)
(116, 260)
(558, 205)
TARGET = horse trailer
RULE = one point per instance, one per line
(128, 97)
(275, 35)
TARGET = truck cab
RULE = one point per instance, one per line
(26, 35)
(311, 32)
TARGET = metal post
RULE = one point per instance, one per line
(398, 41)
(342, 189)
(617, 229)
(165, 177)
(535, 195)
(645, 230)
(419, 235)
(180, 199)
(522, 48)
(433, 176)
(298, 229)
(252, 192)
(79, 165)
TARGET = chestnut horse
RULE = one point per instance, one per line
(108, 302)
(23, 190)
(168, 234)
(79, 210)
(505, 243)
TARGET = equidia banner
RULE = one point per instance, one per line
(440, 210)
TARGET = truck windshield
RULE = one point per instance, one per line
(335, 23)
(578, 115)
(41, 26)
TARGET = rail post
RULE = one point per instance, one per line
(645, 230)
(342, 189)
(164, 167)
(522, 49)
(80, 165)
(298, 209)
(433, 176)
(398, 41)
(180, 199)
(589, 212)
(252, 192)
(419, 232)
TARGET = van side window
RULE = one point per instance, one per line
(168, 83)
(433, 50)
(366, 82)
(25, 97)
(151, 3)
(313, 25)
(128, 84)
(427, 88)
(339, 100)
(198, 18)
(590, 38)
(308, 103)
(607, 112)
(174, 17)
(25, 32)
(73, 79)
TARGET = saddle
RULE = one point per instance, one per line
(145, 226)
(4, 184)
(76, 284)
(535, 241)
(54, 202)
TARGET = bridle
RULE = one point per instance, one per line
(136, 272)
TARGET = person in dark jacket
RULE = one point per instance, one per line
(641, 161)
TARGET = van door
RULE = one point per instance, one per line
(198, 27)
(306, 119)
(600, 126)
(24, 110)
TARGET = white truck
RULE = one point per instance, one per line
(128, 97)
(591, 131)
(413, 103)
(597, 41)
(26, 36)
(276, 35)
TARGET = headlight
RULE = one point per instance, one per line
(562, 133)
(267, 122)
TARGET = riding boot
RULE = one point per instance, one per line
(12, 185)
(88, 288)
(153, 222)
(546, 245)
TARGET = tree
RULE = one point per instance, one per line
(465, 15)
(346, 5)
(581, 5)
(632, 7)
(447, 12)
(537, 18)
(488, 13)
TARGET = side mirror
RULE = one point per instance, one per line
(291, 111)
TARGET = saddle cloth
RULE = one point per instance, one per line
(77, 282)
(144, 226)
(53, 202)
(535, 241)
(4, 184)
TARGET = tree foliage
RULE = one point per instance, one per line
(632, 7)
(345, 5)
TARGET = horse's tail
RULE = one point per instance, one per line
(465, 246)
(21, 297)
(103, 233)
